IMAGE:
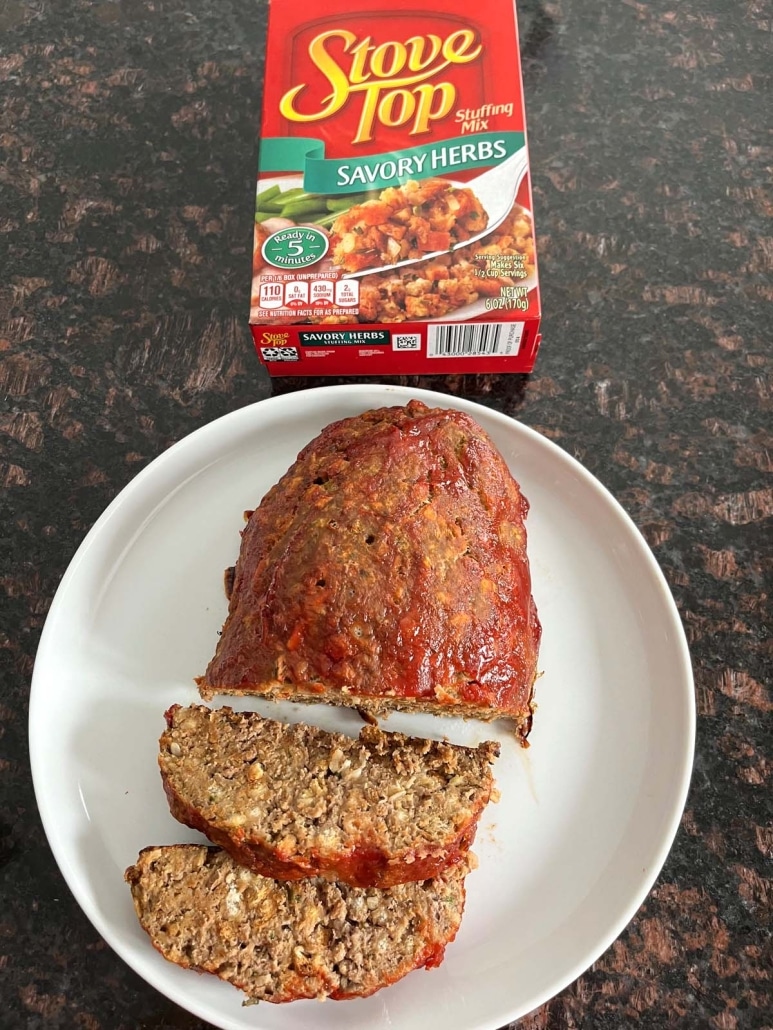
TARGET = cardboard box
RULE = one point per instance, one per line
(393, 224)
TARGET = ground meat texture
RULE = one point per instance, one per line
(296, 801)
(281, 942)
(387, 570)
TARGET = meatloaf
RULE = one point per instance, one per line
(387, 569)
(280, 941)
(296, 801)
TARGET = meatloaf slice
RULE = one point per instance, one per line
(387, 569)
(296, 801)
(281, 941)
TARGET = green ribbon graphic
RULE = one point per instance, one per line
(282, 154)
(393, 168)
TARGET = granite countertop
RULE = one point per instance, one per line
(128, 130)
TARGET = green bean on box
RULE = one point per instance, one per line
(297, 204)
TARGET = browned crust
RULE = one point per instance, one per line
(374, 708)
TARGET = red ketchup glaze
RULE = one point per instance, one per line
(389, 562)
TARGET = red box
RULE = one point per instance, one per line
(393, 224)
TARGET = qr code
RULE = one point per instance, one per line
(279, 353)
(406, 341)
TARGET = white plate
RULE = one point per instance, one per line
(587, 814)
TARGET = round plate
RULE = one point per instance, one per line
(587, 813)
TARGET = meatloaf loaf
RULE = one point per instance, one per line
(281, 941)
(296, 801)
(387, 569)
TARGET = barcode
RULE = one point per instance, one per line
(406, 341)
(473, 341)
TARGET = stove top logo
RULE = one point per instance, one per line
(274, 339)
(397, 82)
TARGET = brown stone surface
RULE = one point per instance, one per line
(128, 136)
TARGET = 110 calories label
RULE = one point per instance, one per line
(310, 293)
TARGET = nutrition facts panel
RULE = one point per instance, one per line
(305, 292)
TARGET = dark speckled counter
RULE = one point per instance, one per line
(128, 135)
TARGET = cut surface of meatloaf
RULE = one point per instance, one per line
(293, 801)
(280, 941)
(387, 569)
